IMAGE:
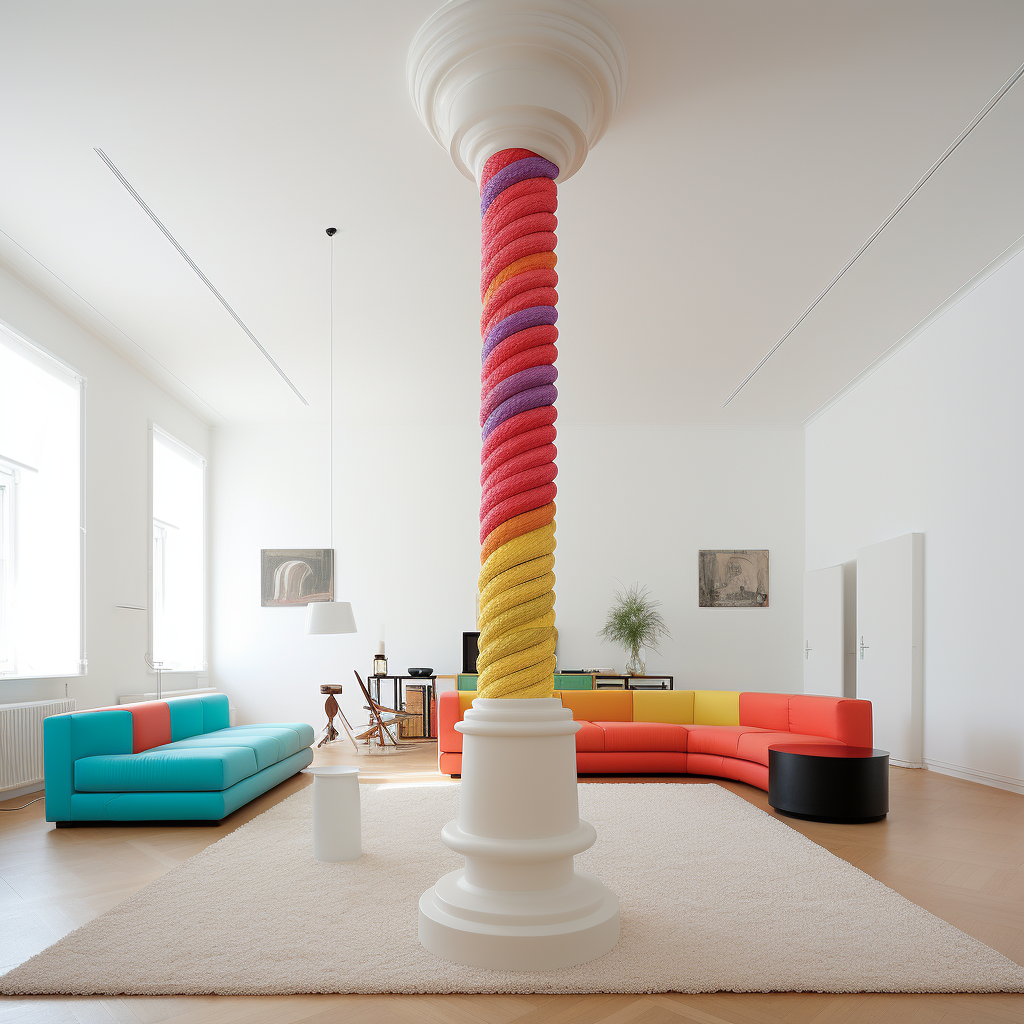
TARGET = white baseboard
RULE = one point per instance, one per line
(13, 794)
(974, 775)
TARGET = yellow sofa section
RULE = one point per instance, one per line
(672, 706)
(716, 707)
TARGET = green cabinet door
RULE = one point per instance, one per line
(573, 682)
(467, 681)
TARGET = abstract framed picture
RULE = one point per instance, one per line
(296, 576)
(732, 579)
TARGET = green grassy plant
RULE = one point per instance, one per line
(634, 622)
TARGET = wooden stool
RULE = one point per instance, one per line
(331, 709)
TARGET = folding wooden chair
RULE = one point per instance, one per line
(381, 717)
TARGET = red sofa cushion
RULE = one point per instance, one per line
(622, 762)
(590, 738)
(834, 717)
(754, 745)
(717, 739)
(728, 768)
(765, 710)
(636, 736)
(448, 713)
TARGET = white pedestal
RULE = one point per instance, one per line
(337, 824)
(519, 904)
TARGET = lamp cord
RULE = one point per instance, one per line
(23, 806)
(332, 402)
(331, 232)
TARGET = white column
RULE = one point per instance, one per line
(544, 75)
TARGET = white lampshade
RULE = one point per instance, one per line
(330, 617)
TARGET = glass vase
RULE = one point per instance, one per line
(637, 664)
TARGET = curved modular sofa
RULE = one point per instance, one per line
(694, 732)
(164, 760)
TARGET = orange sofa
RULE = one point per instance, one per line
(693, 732)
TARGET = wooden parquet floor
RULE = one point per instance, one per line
(953, 847)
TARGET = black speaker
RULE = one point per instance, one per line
(470, 650)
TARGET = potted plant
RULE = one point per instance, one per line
(634, 623)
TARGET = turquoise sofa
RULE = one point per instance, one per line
(164, 760)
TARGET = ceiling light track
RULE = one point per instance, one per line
(188, 259)
(979, 117)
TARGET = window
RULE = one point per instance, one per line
(7, 483)
(178, 599)
(42, 517)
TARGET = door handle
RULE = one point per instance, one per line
(863, 647)
(807, 649)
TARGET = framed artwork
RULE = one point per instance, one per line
(732, 579)
(296, 576)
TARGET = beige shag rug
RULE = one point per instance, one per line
(715, 895)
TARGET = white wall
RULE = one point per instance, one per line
(120, 402)
(406, 559)
(634, 504)
(932, 442)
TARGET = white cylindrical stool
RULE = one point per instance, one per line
(337, 825)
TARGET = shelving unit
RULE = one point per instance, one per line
(563, 681)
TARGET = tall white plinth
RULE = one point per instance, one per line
(519, 904)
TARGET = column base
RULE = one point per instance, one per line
(519, 931)
(519, 904)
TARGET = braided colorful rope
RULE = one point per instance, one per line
(518, 200)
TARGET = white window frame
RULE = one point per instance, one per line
(9, 476)
(45, 357)
(154, 429)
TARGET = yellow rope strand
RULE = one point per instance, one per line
(517, 644)
(521, 617)
(520, 549)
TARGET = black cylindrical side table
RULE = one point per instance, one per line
(821, 782)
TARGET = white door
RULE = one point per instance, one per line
(823, 631)
(890, 633)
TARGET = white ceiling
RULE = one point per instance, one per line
(758, 146)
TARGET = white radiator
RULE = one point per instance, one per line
(21, 740)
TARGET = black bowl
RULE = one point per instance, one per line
(421, 671)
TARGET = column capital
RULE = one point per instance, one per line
(543, 75)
